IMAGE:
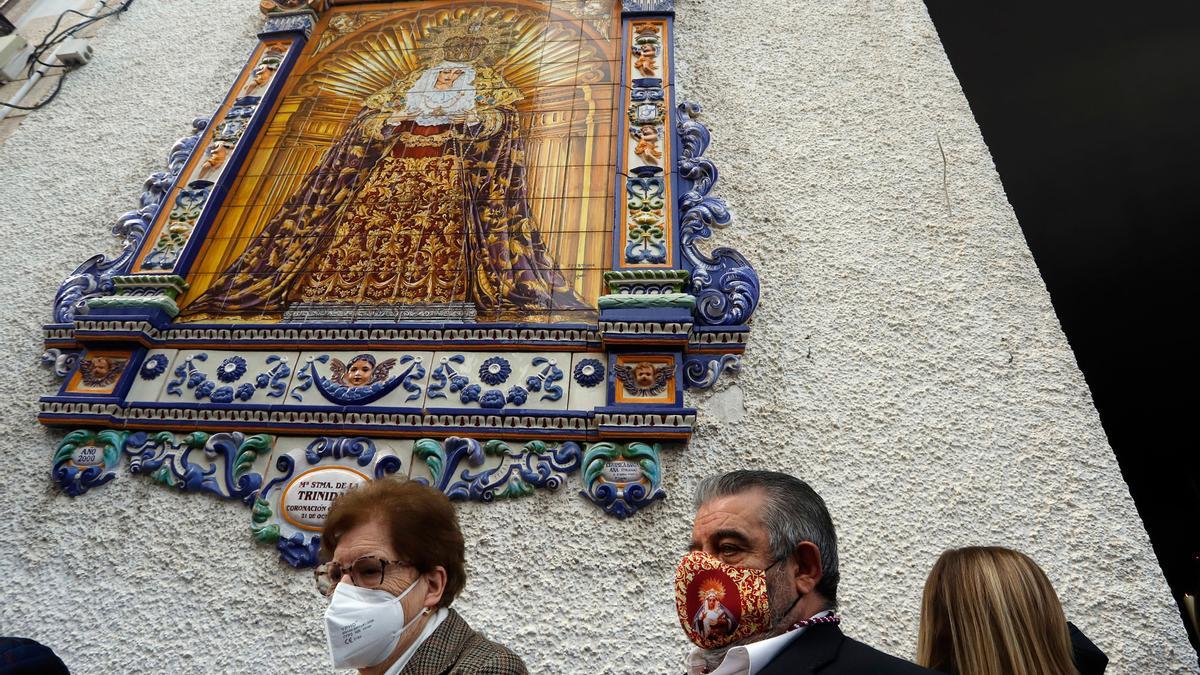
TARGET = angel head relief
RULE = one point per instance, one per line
(361, 371)
(644, 378)
(422, 200)
(100, 371)
(361, 380)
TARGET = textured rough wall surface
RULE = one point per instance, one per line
(906, 361)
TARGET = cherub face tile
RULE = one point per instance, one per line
(98, 372)
(361, 378)
(645, 379)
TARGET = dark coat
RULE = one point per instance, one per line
(1088, 657)
(824, 649)
(454, 649)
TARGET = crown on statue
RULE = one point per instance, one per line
(479, 40)
(711, 588)
(464, 48)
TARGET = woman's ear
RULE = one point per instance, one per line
(807, 558)
(435, 580)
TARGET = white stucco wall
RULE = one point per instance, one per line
(906, 361)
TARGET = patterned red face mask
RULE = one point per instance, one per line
(719, 604)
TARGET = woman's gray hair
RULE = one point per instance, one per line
(793, 513)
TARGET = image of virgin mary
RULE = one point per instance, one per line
(423, 199)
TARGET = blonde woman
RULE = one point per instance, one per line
(992, 611)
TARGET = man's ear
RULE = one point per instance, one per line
(807, 558)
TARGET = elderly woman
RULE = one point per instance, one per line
(395, 566)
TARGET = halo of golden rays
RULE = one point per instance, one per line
(711, 586)
(528, 50)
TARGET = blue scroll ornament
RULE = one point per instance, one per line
(725, 285)
(94, 277)
(297, 552)
(75, 480)
(622, 499)
(536, 465)
(701, 371)
(62, 361)
(170, 461)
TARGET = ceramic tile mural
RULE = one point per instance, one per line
(458, 242)
(432, 155)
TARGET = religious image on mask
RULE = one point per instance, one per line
(713, 608)
(433, 162)
(713, 621)
(719, 604)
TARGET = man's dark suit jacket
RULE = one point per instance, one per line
(824, 649)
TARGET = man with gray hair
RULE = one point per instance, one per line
(758, 588)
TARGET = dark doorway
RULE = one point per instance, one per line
(1092, 113)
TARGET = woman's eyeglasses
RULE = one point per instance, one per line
(366, 572)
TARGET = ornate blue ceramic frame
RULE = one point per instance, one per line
(491, 410)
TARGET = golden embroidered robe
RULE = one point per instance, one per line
(399, 212)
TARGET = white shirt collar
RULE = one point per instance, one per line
(748, 659)
(430, 626)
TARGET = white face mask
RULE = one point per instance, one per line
(364, 625)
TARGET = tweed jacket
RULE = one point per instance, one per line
(454, 649)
